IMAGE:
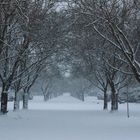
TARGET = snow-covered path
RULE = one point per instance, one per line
(68, 125)
(63, 124)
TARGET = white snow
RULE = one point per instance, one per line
(67, 118)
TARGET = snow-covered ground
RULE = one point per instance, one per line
(66, 118)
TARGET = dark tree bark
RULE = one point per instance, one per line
(4, 101)
(25, 100)
(4, 96)
(105, 100)
(114, 98)
(113, 101)
(116, 101)
(16, 101)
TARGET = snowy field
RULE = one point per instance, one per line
(66, 118)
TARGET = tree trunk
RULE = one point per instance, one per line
(25, 101)
(46, 97)
(105, 100)
(112, 101)
(4, 101)
(82, 97)
(116, 101)
(113, 98)
(16, 102)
